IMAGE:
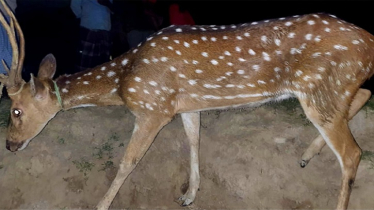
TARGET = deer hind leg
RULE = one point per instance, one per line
(339, 138)
(145, 130)
(361, 97)
(191, 123)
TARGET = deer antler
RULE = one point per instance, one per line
(14, 77)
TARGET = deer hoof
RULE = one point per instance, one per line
(186, 201)
(303, 163)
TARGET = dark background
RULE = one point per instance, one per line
(50, 26)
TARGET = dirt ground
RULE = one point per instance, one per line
(249, 159)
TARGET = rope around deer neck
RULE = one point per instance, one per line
(57, 93)
(20, 89)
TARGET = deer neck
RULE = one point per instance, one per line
(94, 87)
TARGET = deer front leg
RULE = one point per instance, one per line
(318, 143)
(191, 123)
(145, 131)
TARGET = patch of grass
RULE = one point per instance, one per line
(368, 156)
(1, 166)
(306, 121)
(99, 154)
(107, 165)
(83, 166)
(61, 140)
(370, 103)
(105, 150)
(289, 105)
(114, 137)
(121, 145)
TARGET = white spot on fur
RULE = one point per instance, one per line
(264, 38)
(277, 42)
(256, 67)
(153, 83)
(192, 82)
(266, 56)
(308, 36)
(111, 74)
(124, 61)
(317, 54)
(291, 35)
(240, 71)
(132, 90)
(340, 47)
(214, 62)
(311, 22)
(288, 23)
(172, 68)
(298, 73)
(210, 86)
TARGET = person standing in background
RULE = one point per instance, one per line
(95, 38)
(142, 21)
(179, 15)
(5, 48)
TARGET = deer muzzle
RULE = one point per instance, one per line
(13, 146)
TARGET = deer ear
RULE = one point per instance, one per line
(37, 88)
(47, 67)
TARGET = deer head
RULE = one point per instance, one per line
(33, 103)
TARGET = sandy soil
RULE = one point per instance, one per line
(249, 160)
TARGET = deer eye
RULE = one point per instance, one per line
(17, 112)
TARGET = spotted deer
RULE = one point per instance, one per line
(317, 58)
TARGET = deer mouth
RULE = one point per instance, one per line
(13, 146)
(16, 146)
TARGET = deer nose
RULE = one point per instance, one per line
(7, 145)
(13, 146)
